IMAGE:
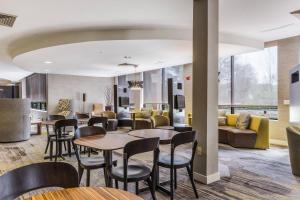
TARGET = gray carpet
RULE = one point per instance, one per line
(246, 174)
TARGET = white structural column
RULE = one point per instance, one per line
(205, 89)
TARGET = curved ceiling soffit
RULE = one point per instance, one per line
(43, 40)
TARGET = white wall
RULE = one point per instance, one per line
(72, 87)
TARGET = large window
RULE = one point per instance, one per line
(225, 81)
(255, 78)
(248, 82)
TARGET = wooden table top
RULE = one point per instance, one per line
(109, 141)
(165, 136)
(86, 193)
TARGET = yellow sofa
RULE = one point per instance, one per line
(256, 136)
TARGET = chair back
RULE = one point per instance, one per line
(56, 117)
(184, 138)
(82, 116)
(65, 123)
(85, 132)
(89, 131)
(35, 176)
(98, 120)
(140, 146)
(293, 136)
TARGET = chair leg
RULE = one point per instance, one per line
(136, 188)
(51, 150)
(65, 146)
(171, 183)
(47, 146)
(152, 190)
(190, 172)
(88, 176)
(116, 184)
(80, 173)
(175, 179)
(56, 150)
(125, 185)
(69, 149)
(89, 152)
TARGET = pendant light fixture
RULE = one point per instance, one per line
(135, 84)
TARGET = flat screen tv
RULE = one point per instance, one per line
(124, 102)
(179, 102)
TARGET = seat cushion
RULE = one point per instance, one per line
(223, 133)
(134, 172)
(94, 162)
(179, 160)
(242, 138)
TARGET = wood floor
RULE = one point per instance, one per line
(246, 174)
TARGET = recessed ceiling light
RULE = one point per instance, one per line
(48, 62)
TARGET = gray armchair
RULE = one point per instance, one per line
(293, 135)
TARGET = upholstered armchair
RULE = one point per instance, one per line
(293, 135)
(64, 107)
(97, 109)
(160, 121)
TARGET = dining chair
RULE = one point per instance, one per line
(36, 176)
(49, 135)
(98, 120)
(89, 163)
(137, 172)
(61, 138)
(174, 161)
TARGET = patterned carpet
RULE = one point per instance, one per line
(246, 174)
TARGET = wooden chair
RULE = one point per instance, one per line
(175, 161)
(135, 173)
(49, 135)
(35, 176)
(89, 163)
(61, 138)
(98, 120)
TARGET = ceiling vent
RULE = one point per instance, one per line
(7, 20)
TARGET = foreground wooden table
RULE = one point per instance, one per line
(107, 143)
(86, 193)
(165, 136)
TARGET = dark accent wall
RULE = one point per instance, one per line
(36, 87)
(9, 91)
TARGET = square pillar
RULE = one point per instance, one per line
(205, 89)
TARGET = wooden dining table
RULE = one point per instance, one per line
(107, 143)
(86, 193)
(165, 136)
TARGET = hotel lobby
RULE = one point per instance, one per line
(137, 99)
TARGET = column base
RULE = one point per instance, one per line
(207, 179)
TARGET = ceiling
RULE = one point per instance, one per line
(43, 28)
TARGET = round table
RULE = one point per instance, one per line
(86, 193)
(165, 136)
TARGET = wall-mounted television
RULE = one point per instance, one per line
(124, 102)
(179, 102)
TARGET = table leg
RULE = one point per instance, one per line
(39, 128)
(108, 161)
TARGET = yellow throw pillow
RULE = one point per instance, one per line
(231, 119)
(255, 123)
